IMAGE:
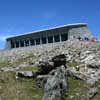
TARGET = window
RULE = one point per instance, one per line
(12, 44)
(57, 38)
(44, 40)
(22, 43)
(26, 42)
(32, 41)
(37, 41)
(17, 43)
(50, 39)
(64, 37)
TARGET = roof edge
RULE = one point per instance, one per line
(60, 26)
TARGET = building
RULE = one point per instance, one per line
(52, 35)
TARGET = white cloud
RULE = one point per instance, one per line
(3, 38)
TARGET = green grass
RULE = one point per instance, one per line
(28, 68)
(21, 60)
(21, 89)
(25, 89)
(73, 64)
(77, 90)
(4, 62)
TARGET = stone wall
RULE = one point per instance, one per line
(79, 31)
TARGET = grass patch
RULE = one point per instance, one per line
(22, 89)
(77, 90)
(28, 68)
(72, 64)
(4, 62)
(21, 60)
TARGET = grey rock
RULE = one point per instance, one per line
(92, 92)
(41, 80)
(48, 65)
(94, 78)
(91, 58)
(89, 75)
(56, 84)
(26, 74)
(92, 82)
(7, 69)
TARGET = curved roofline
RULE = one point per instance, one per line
(61, 26)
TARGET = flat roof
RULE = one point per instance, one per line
(62, 26)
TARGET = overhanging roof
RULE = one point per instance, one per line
(68, 25)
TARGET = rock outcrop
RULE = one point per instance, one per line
(56, 84)
(82, 58)
(52, 77)
(89, 75)
(48, 65)
(24, 74)
(92, 92)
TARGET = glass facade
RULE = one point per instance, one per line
(22, 43)
(32, 42)
(17, 44)
(64, 37)
(26, 42)
(44, 40)
(36, 41)
(12, 44)
(50, 39)
(57, 38)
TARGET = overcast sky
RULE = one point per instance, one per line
(21, 16)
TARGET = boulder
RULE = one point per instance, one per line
(26, 74)
(7, 69)
(59, 60)
(41, 80)
(56, 84)
(90, 58)
(92, 92)
(48, 65)
(94, 78)
(44, 68)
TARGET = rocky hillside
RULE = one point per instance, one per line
(83, 71)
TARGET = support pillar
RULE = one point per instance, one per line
(40, 40)
(53, 39)
(29, 42)
(14, 44)
(19, 44)
(60, 37)
(24, 44)
(46, 38)
(35, 42)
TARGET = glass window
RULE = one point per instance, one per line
(26, 42)
(43, 40)
(37, 41)
(17, 43)
(22, 43)
(12, 44)
(32, 41)
(50, 39)
(57, 38)
(64, 37)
